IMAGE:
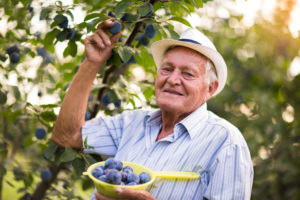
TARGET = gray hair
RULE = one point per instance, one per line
(210, 72)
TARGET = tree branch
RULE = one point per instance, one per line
(43, 186)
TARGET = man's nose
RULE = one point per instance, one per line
(174, 78)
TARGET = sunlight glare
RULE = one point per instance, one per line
(294, 68)
(294, 25)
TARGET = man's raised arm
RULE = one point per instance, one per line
(98, 47)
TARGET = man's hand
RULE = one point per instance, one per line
(99, 45)
(128, 194)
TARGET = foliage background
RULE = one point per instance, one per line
(261, 96)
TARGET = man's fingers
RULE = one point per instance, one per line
(95, 39)
(101, 197)
(134, 194)
(104, 37)
(103, 29)
(105, 25)
(99, 41)
(114, 38)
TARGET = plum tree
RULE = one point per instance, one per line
(53, 31)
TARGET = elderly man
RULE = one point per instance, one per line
(182, 135)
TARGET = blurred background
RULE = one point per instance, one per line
(41, 48)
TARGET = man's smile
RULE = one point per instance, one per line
(172, 92)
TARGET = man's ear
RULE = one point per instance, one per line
(212, 88)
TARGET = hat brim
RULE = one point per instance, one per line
(159, 48)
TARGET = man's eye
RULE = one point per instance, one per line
(188, 74)
(166, 69)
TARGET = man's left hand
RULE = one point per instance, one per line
(128, 194)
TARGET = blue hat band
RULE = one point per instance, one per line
(191, 41)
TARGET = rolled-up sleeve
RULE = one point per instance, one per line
(101, 135)
(231, 174)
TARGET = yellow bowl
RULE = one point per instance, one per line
(109, 189)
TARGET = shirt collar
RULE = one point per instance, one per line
(193, 121)
(190, 123)
(153, 117)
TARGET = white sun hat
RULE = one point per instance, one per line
(193, 39)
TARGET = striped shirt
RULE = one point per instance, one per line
(202, 142)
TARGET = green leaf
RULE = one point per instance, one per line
(61, 36)
(16, 92)
(45, 13)
(68, 76)
(138, 59)
(59, 19)
(91, 16)
(3, 57)
(114, 59)
(132, 102)
(148, 93)
(24, 2)
(60, 4)
(181, 20)
(68, 155)
(147, 59)
(198, 3)
(85, 144)
(86, 183)
(79, 166)
(90, 159)
(174, 34)
(28, 141)
(145, 9)
(125, 53)
(177, 1)
(50, 150)
(135, 95)
(71, 49)
(50, 37)
(3, 97)
(48, 116)
(82, 25)
(113, 96)
(122, 7)
(48, 105)
(131, 17)
(91, 25)
(70, 14)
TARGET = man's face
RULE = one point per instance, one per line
(181, 85)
